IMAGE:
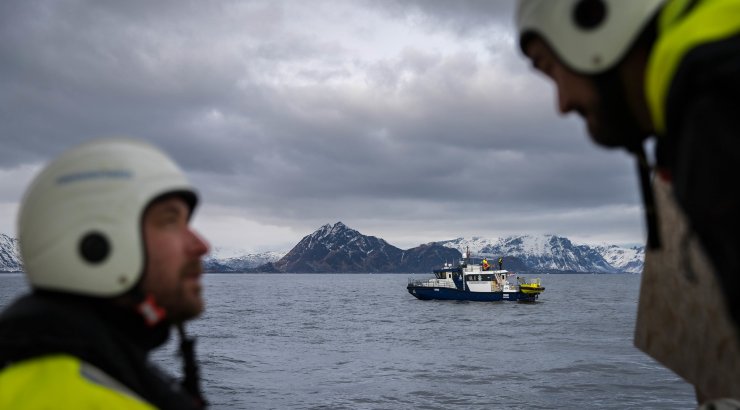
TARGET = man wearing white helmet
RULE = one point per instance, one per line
(634, 69)
(113, 264)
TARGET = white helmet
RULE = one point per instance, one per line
(80, 222)
(589, 36)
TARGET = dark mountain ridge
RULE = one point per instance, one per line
(338, 248)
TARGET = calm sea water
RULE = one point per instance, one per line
(362, 342)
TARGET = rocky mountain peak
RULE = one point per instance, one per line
(338, 236)
(339, 248)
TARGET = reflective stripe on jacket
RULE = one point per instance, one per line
(684, 25)
(63, 382)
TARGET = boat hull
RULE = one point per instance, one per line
(531, 289)
(445, 293)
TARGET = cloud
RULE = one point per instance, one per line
(465, 17)
(408, 120)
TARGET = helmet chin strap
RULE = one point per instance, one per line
(648, 199)
(154, 315)
(191, 381)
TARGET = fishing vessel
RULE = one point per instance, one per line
(475, 282)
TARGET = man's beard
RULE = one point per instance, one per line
(184, 308)
(619, 127)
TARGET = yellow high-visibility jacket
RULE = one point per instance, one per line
(63, 382)
(60, 351)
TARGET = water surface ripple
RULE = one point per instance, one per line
(325, 341)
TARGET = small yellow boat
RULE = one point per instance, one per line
(531, 288)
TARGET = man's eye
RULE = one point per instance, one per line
(169, 219)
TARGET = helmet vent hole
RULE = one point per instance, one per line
(589, 14)
(94, 247)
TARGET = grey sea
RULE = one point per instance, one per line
(360, 341)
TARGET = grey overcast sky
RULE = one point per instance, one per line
(414, 121)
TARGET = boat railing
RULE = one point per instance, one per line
(432, 283)
(524, 281)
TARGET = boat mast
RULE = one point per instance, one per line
(466, 260)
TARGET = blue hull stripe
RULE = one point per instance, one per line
(442, 293)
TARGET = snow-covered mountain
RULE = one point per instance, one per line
(626, 259)
(338, 248)
(554, 253)
(242, 263)
(10, 258)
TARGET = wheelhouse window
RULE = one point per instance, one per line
(480, 278)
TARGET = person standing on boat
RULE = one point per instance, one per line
(485, 264)
(500, 263)
(634, 69)
(113, 265)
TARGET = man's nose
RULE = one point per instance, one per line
(565, 104)
(198, 245)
